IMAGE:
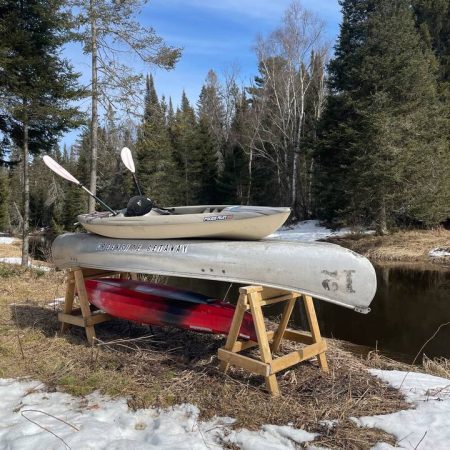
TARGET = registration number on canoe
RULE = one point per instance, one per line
(219, 217)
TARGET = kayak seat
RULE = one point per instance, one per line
(158, 212)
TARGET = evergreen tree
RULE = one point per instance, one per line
(234, 180)
(4, 198)
(433, 20)
(155, 164)
(211, 110)
(383, 155)
(36, 85)
(186, 151)
(207, 154)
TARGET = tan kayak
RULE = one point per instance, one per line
(208, 221)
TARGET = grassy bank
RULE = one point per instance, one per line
(401, 246)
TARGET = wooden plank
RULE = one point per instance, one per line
(283, 324)
(299, 336)
(243, 345)
(273, 300)
(260, 327)
(68, 299)
(264, 348)
(269, 292)
(247, 290)
(283, 362)
(272, 385)
(71, 319)
(100, 275)
(250, 364)
(315, 330)
(98, 318)
(234, 328)
(84, 304)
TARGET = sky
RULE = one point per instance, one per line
(214, 34)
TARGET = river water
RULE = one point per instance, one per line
(411, 303)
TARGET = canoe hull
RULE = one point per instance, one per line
(324, 271)
(223, 222)
(160, 305)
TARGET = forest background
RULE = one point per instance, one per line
(357, 134)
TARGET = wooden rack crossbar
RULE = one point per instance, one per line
(85, 316)
(253, 298)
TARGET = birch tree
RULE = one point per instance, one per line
(291, 59)
(110, 31)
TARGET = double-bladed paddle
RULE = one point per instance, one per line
(59, 170)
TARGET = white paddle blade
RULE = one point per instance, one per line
(127, 159)
(53, 165)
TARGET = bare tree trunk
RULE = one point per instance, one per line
(382, 221)
(26, 196)
(94, 116)
(250, 174)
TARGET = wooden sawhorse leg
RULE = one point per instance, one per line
(83, 317)
(253, 298)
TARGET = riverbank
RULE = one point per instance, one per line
(415, 246)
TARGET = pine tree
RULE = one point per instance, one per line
(234, 180)
(382, 154)
(36, 85)
(186, 151)
(207, 154)
(155, 164)
(4, 198)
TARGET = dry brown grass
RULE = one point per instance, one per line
(10, 250)
(405, 246)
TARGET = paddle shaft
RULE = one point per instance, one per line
(98, 200)
(136, 183)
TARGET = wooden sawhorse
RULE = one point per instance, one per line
(84, 316)
(253, 298)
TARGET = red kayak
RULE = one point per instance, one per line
(156, 304)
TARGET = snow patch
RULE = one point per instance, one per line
(32, 418)
(439, 252)
(6, 240)
(18, 261)
(307, 231)
(428, 423)
(56, 302)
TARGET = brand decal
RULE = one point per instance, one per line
(331, 282)
(142, 248)
(219, 217)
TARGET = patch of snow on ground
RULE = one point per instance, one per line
(6, 240)
(439, 252)
(428, 424)
(307, 231)
(31, 418)
(56, 302)
(18, 261)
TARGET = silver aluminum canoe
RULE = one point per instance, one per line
(207, 221)
(324, 271)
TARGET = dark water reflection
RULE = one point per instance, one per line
(410, 304)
